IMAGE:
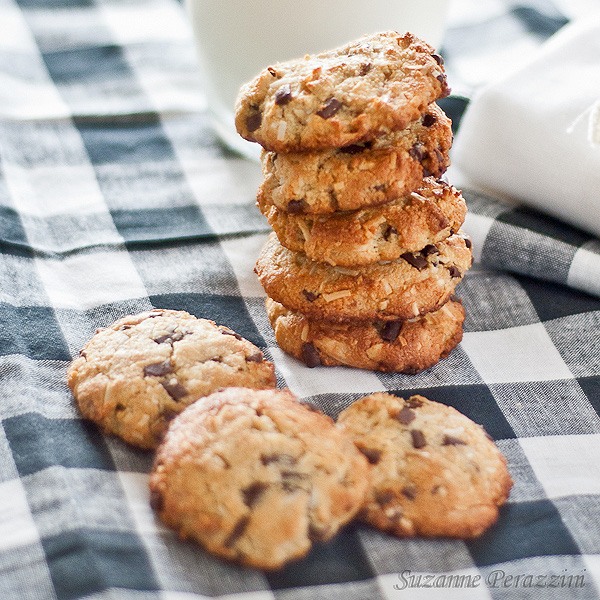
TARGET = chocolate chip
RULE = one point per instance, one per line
(441, 78)
(282, 459)
(158, 369)
(438, 59)
(427, 172)
(418, 261)
(310, 356)
(168, 415)
(364, 69)
(255, 357)
(253, 121)
(380, 187)
(119, 407)
(454, 298)
(388, 232)
(405, 416)
(253, 492)
(272, 71)
(413, 402)
(429, 120)
(330, 108)
(417, 151)
(175, 390)
(450, 440)
(82, 353)
(157, 501)
(410, 492)
(238, 531)
(290, 480)
(353, 149)
(418, 439)
(454, 272)
(310, 296)
(373, 455)
(384, 497)
(318, 533)
(226, 331)
(283, 95)
(390, 331)
(429, 250)
(172, 336)
(295, 206)
(468, 243)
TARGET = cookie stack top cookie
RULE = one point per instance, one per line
(365, 231)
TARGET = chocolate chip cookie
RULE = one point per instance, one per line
(414, 284)
(347, 238)
(352, 94)
(388, 346)
(359, 175)
(434, 471)
(134, 376)
(256, 477)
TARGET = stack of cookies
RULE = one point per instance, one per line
(367, 251)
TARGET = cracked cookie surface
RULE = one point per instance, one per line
(369, 87)
(385, 232)
(134, 376)
(434, 471)
(256, 477)
(412, 285)
(359, 175)
(390, 347)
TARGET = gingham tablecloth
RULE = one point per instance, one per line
(116, 197)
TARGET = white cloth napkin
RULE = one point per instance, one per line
(534, 135)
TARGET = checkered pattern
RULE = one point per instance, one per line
(115, 197)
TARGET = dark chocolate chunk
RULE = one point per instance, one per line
(438, 59)
(373, 455)
(310, 296)
(283, 95)
(330, 108)
(427, 172)
(252, 493)
(175, 390)
(156, 500)
(364, 69)
(418, 439)
(454, 271)
(295, 206)
(225, 331)
(168, 415)
(380, 187)
(238, 531)
(429, 120)
(417, 151)
(429, 250)
(119, 407)
(390, 331)
(450, 440)
(468, 243)
(441, 78)
(82, 353)
(455, 298)
(405, 416)
(253, 121)
(410, 491)
(281, 459)
(170, 337)
(353, 149)
(272, 71)
(388, 231)
(158, 369)
(255, 357)
(418, 261)
(413, 402)
(310, 356)
(291, 480)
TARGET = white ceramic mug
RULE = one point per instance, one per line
(236, 39)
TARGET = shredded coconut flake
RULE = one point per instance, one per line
(336, 295)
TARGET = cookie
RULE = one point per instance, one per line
(348, 238)
(415, 284)
(434, 471)
(256, 477)
(392, 346)
(134, 376)
(369, 87)
(359, 175)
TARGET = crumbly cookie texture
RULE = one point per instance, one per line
(415, 284)
(391, 347)
(256, 477)
(369, 87)
(434, 471)
(352, 238)
(359, 175)
(133, 377)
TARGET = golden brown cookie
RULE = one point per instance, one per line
(347, 238)
(415, 284)
(256, 477)
(134, 376)
(369, 87)
(359, 175)
(434, 471)
(390, 346)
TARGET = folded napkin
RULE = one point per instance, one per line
(534, 135)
